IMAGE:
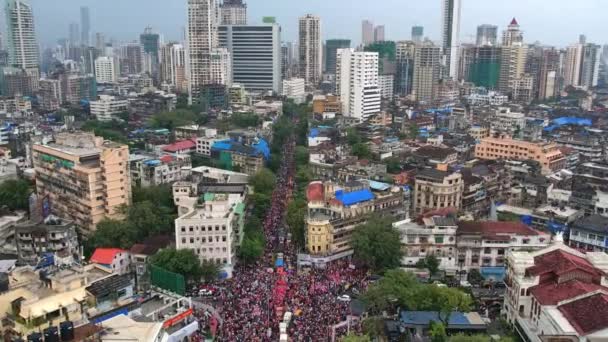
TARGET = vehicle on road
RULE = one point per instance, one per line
(344, 298)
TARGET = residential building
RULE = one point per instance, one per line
(256, 55)
(52, 235)
(379, 33)
(357, 83)
(590, 66)
(331, 53)
(451, 36)
(435, 235)
(573, 62)
(434, 189)
(484, 245)
(202, 38)
(512, 35)
(404, 76)
(589, 234)
(83, 177)
(150, 42)
(131, 59)
(151, 171)
(76, 88)
(233, 12)
(427, 71)
(417, 34)
(590, 148)
(50, 94)
(550, 79)
(295, 89)
(220, 69)
(512, 66)
(367, 32)
(21, 36)
(504, 121)
(487, 35)
(310, 50)
(436, 155)
(547, 154)
(326, 104)
(19, 82)
(484, 67)
(386, 84)
(85, 26)
(522, 89)
(557, 293)
(106, 70)
(107, 107)
(173, 66)
(115, 260)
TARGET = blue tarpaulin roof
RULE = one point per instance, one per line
(568, 121)
(379, 185)
(494, 273)
(426, 317)
(314, 132)
(223, 145)
(351, 198)
(152, 162)
(262, 147)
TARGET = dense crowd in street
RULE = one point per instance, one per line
(252, 304)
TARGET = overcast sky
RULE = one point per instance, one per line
(554, 22)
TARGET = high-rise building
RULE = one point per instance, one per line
(50, 94)
(331, 51)
(357, 84)
(379, 33)
(83, 178)
(85, 26)
(106, 70)
(132, 59)
(100, 42)
(484, 70)
(590, 66)
(427, 71)
(256, 55)
(487, 35)
(310, 50)
(203, 21)
(512, 35)
(233, 12)
(150, 42)
(221, 67)
(417, 34)
(74, 34)
(367, 32)
(512, 65)
(173, 66)
(404, 58)
(21, 36)
(451, 36)
(549, 80)
(572, 65)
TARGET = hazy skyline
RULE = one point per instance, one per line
(541, 20)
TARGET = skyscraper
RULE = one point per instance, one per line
(427, 70)
(311, 50)
(484, 70)
(173, 66)
(331, 47)
(451, 36)
(405, 52)
(100, 42)
(367, 32)
(572, 67)
(417, 34)
(549, 74)
(512, 35)
(203, 20)
(357, 83)
(74, 34)
(85, 26)
(233, 12)
(132, 59)
(379, 33)
(590, 66)
(487, 35)
(21, 35)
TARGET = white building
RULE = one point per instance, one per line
(106, 70)
(106, 107)
(451, 36)
(386, 84)
(173, 66)
(505, 121)
(357, 83)
(557, 294)
(295, 89)
(310, 50)
(233, 12)
(221, 67)
(21, 36)
(203, 21)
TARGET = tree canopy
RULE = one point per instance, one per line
(263, 181)
(182, 261)
(356, 338)
(173, 119)
(377, 244)
(362, 151)
(15, 194)
(430, 262)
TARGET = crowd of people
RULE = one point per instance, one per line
(252, 303)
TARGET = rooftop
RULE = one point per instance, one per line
(594, 223)
(554, 293)
(587, 315)
(105, 256)
(560, 262)
(491, 229)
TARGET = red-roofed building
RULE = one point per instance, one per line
(486, 243)
(116, 260)
(315, 192)
(557, 292)
(181, 147)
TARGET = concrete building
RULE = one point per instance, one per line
(507, 122)
(417, 34)
(331, 53)
(590, 66)
(512, 35)
(427, 71)
(295, 89)
(357, 83)
(106, 70)
(557, 293)
(487, 35)
(310, 50)
(256, 55)
(233, 12)
(434, 189)
(379, 33)
(173, 66)
(107, 107)
(434, 236)
(85, 26)
(50, 94)
(386, 83)
(114, 260)
(589, 234)
(202, 38)
(572, 64)
(451, 36)
(154, 171)
(367, 32)
(220, 68)
(21, 36)
(131, 59)
(404, 76)
(512, 66)
(82, 177)
(53, 235)
(548, 155)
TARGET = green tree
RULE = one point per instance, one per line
(160, 195)
(251, 250)
(263, 181)
(414, 131)
(15, 194)
(356, 338)
(353, 137)
(396, 288)
(301, 156)
(210, 271)
(443, 300)
(182, 261)
(361, 150)
(244, 120)
(474, 277)
(173, 119)
(430, 262)
(378, 244)
(393, 165)
(373, 327)
(437, 332)
(296, 212)
(149, 219)
(261, 204)
(113, 233)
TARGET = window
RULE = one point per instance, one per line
(183, 229)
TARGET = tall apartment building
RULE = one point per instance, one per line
(357, 83)
(417, 34)
(150, 42)
(548, 155)
(427, 71)
(487, 35)
(82, 177)
(367, 32)
(21, 36)
(549, 78)
(331, 52)
(106, 70)
(451, 36)
(107, 107)
(310, 50)
(203, 21)
(512, 35)
(173, 66)
(233, 12)
(85, 26)
(50, 94)
(573, 62)
(132, 59)
(484, 68)
(379, 33)
(512, 65)
(434, 189)
(256, 55)
(590, 65)
(295, 89)
(404, 76)
(220, 68)
(74, 34)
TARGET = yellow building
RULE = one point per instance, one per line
(82, 177)
(548, 155)
(479, 132)
(435, 189)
